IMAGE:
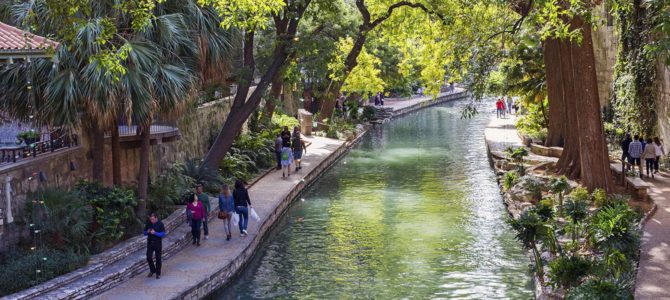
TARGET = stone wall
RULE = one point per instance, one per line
(198, 128)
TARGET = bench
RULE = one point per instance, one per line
(638, 185)
(540, 150)
(555, 151)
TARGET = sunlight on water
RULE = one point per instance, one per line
(413, 213)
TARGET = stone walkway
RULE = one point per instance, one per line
(653, 275)
(184, 272)
(501, 133)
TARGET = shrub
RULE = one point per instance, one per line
(368, 113)
(568, 271)
(559, 186)
(64, 217)
(599, 197)
(615, 227)
(511, 178)
(545, 209)
(599, 289)
(577, 211)
(168, 189)
(580, 194)
(114, 211)
(19, 270)
(280, 120)
(209, 178)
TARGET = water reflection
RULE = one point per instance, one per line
(413, 213)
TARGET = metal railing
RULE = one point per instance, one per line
(58, 139)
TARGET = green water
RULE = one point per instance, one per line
(412, 212)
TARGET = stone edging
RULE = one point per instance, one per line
(429, 103)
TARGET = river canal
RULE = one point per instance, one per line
(413, 211)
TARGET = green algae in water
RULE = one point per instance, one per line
(413, 212)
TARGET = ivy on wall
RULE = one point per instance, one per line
(634, 90)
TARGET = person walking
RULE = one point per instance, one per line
(196, 210)
(242, 205)
(634, 153)
(226, 208)
(298, 146)
(649, 156)
(381, 98)
(204, 198)
(658, 146)
(499, 108)
(154, 230)
(278, 146)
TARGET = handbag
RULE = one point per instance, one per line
(223, 215)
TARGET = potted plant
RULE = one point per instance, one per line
(29, 136)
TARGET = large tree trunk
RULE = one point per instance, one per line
(143, 176)
(98, 151)
(556, 124)
(568, 163)
(594, 158)
(116, 154)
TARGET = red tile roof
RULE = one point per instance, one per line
(16, 40)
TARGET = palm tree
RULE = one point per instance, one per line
(577, 211)
(530, 228)
(559, 186)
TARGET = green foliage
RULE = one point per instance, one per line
(280, 120)
(599, 197)
(615, 227)
(19, 267)
(168, 189)
(599, 289)
(250, 154)
(530, 227)
(568, 271)
(511, 178)
(545, 209)
(634, 95)
(368, 113)
(532, 120)
(577, 210)
(65, 218)
(580, 194)
(364, 78)
(28, 136)
(338, 127)
(559, 186)
(210, 179)
(114, 211)
(517, 154)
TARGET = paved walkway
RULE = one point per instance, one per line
(196, 264)
(653, 275)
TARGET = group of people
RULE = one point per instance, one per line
(289, 149)
(637, 149)
(197, 212)
(505, 107)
